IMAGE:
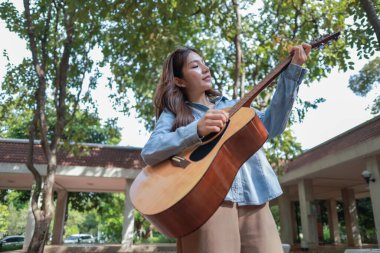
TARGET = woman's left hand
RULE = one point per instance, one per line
(300, 53)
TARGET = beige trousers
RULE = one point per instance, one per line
(234, 229)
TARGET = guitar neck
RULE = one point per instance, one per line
(247, 99)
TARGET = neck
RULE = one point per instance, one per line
(203, 100)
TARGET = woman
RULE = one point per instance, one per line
(187, 109)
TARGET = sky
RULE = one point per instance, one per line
(342, 110)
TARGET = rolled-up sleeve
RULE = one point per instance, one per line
(164, 143)
(276, 116)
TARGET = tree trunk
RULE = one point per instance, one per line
(40, 235)
(237, 50)
(43, 210)
(242, 88)
(373, 19)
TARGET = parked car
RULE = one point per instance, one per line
(11, 242)
(79, 238)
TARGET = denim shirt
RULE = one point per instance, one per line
(256, 181)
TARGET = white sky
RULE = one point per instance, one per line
(342, 110)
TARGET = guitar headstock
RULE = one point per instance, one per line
(327, 39)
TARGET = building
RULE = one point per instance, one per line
(100, 168)
(345, 168)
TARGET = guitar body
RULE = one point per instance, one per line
(179, 200)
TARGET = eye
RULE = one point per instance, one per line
(194, 66)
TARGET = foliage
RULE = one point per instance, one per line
(156, 238)
(366, 80)
(13, 211)
(19, 199)
(4, 222)
(17, 220)
(276, 215)
(142, 227)
(87, 201)
(281, 149)
(86, 127)
(366, 220)
(111, 220)
(96, 213)
(361, 33)
(73, 222)
(266, 37)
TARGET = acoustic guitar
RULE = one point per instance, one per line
(180, 194)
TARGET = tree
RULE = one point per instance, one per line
(366, 80)
(367, 22)
(85, 128)
(60, 36)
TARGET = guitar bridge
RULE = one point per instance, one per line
(179, 161)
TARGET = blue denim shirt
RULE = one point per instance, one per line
(256, 181)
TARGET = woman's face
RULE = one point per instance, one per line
(196, 76)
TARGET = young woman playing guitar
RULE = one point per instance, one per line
(187, 109)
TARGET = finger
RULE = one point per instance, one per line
(218, 115)
(213, 129)
(294, 49)
(299, 52)
(307, 48)
(218, 123)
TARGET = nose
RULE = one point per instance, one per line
(205, 68)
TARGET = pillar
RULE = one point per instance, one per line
(373, 166)
(59, 217)
(351, 218)
(308, 215)
(128, 225)
(286, 225)
(333, 221)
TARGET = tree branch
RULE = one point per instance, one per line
(55, 51)
(30, 165)
(61, 78)
(237, 50)
(373, 19)
(41, 98)
(45, 37)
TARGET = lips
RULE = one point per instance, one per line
(207, 78)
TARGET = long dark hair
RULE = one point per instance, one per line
(169, 95)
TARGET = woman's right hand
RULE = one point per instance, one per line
(212, 122)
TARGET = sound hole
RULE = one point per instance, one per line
(203, 150)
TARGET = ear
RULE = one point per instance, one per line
(179, 82)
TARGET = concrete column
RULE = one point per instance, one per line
(128, 225)
(351, 218)
(286, 230)
(373, 166)
(308, 215)
(333, 221)
(59, 218)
